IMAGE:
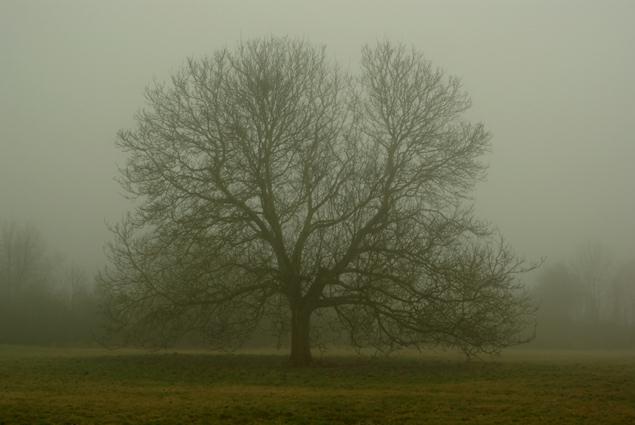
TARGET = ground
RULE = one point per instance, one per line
(54, 385)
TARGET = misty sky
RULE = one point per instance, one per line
(552, 80)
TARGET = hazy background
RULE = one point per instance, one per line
(552, 80)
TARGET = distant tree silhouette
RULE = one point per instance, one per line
(269, 182)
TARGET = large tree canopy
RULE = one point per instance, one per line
(270, 182)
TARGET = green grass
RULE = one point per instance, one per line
(41, 386)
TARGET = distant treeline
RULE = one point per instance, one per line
(42, 301)
(587, 303)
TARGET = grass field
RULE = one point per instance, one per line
(47, 385)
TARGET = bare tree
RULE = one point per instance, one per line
(22, 260)
(593, 267)
(33, 309)
(269, 182)
(621, 295)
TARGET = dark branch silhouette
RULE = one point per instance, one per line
(267, 181)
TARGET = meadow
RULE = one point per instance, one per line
(77, 386)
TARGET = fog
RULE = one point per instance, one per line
(287, 246)
(552, 81)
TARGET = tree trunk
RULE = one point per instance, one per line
(300, 341)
